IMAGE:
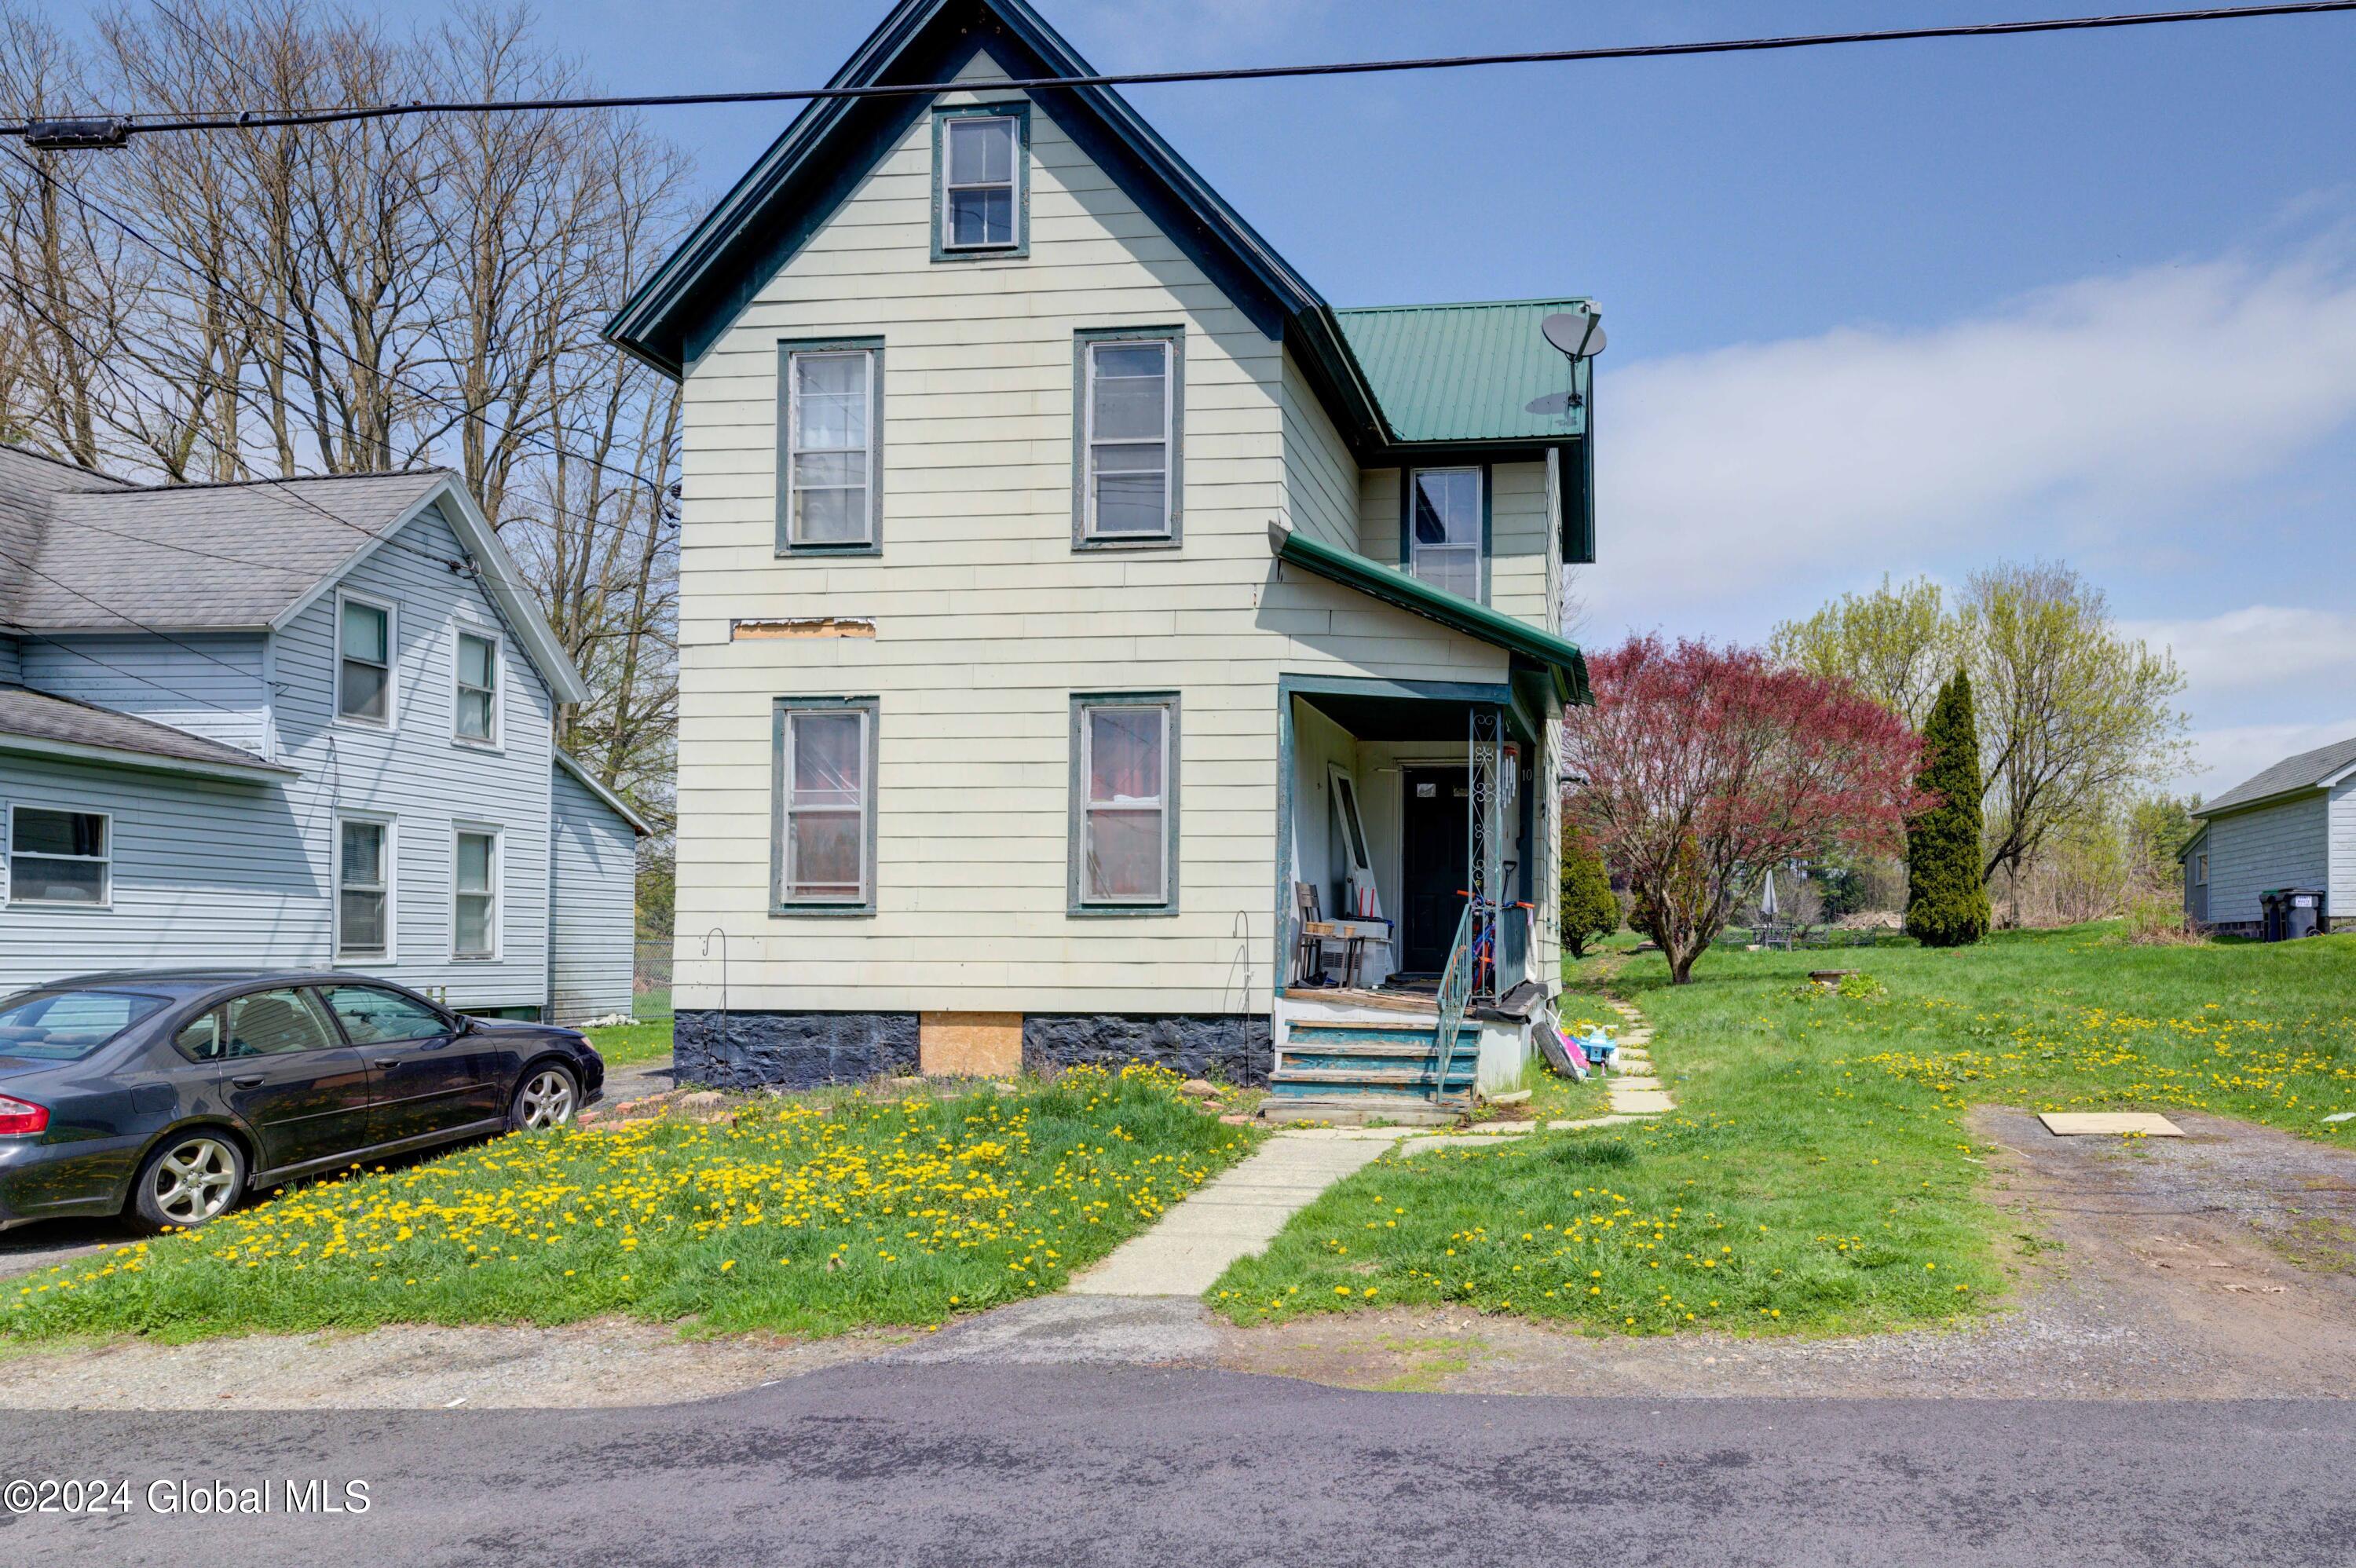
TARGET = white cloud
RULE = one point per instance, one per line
(1770, 472)
(2259, 646)
(2233, 755)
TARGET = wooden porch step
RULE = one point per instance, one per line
(1373, 1077)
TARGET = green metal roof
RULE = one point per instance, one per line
(1467, 372)
(1557, 655)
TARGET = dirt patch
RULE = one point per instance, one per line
(609, 1361)
(2222, 1265)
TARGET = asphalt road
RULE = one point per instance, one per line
(975, 1464)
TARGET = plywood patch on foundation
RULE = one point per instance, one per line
(969, 1045)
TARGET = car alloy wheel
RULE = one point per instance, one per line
(195, 1181)
(545, 1100)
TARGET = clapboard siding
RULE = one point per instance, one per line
(987, 621)
(2271, 847)
(591, 924)
(212, 684)
(417, 774)
(12, 668)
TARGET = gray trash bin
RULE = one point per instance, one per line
(2291, 913)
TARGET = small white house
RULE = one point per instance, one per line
(293, 723)
(1080, 616)
(2292, 827)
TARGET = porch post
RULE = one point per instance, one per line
(1485, 822)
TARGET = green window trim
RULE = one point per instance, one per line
(1084, 341)
(781, 902)
(1407, 516)
(1020, 112)
(1079, 905)
(873, 348)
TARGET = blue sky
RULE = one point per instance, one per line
(1900, 308)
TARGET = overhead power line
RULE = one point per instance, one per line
(112, 130)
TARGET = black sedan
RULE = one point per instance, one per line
(167, 1097)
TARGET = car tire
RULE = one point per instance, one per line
(190, 1179)
(548, 1095)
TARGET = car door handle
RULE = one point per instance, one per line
(387, 1061)
(250, 1081)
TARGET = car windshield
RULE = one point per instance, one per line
(68, 1025)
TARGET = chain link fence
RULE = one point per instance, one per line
(650, 978)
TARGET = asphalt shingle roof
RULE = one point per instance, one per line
(2302, 771)
(80, 550)
(37, 715)
(1465, 372)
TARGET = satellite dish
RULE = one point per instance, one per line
(1578, 333)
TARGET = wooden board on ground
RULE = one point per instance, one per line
(2076, 1124)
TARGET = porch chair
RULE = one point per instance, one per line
(1316, 930)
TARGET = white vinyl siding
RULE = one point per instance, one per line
(988, 620)
(593, 922)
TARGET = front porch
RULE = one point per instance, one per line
(1410, 832)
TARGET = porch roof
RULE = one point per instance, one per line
(1558, 657)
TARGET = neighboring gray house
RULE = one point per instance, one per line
(592, 919)
(300, 722)
(2294, 825)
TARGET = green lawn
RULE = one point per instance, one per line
(626, 1045)
(1819, 1175)
(813, 1215)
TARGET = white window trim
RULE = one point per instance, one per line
(794, 357)
(1089, 433)
(1012, 184)
(497, 837)
(864, 894)
(8, 859)
(391, 953)
(498, 739)
(1479, 546)
(392, 609)
(1159, 802)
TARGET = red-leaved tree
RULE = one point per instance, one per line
(1701, 767)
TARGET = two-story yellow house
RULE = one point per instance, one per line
(1095, 646)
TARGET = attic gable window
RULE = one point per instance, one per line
(981, 181)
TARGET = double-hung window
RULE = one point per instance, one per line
(1443, 529)
(475, 711)
(826, 804)
(1128, 400)
(978, 158)
(1125, 805)
(833, 446)
(363, 889)
(364, 634)
(475, 896)
(60, 857)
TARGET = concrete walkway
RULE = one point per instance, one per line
(1233, 1215)
(1237, 1214)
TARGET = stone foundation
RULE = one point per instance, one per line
(792, 1050)
(1234, 1045)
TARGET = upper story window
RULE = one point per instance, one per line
(476, 715)
(831, 445)
(1444, 532)
(60, 857)
(826, 804)
(364, 635)
(979, 171)
(1126, 466)
(1124, 828)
